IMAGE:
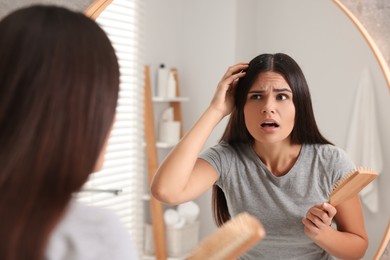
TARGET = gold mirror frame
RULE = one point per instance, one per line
(96, 8)
(373, 46)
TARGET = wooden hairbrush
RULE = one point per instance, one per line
(350, 185)
(231, 240)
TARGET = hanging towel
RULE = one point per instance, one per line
(363, 142)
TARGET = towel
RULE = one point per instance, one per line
(363, 142)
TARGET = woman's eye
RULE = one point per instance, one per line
(256, 97)
(282, 97)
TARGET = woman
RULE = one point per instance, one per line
(59, 81)
(272, 162)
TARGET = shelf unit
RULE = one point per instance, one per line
(165, 99)
(152, 146)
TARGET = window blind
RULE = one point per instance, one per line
(119, 186)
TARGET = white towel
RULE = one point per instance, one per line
(363, 141)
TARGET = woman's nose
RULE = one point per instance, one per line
(271, 111)
(268, 107)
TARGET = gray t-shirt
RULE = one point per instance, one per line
(90, 233)
(280, 203)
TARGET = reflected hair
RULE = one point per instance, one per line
(59, 79)
(305, 130)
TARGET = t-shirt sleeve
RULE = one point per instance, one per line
(220, 157)
(342, 164)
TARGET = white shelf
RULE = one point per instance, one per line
(157, 103)
(161, 145)
(164, 145)
(151, 257)
(170, 99)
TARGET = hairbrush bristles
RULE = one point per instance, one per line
(351, 184)
(340, 183)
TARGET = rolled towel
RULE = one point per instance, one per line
(189, 211)
(171, 217)
(181, 223)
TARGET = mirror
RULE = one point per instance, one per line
(203, 38)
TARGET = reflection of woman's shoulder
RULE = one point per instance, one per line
(87, 232)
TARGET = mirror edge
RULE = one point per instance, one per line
(373, 46)
(96, 8)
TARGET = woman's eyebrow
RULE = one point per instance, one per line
(274, 90)
(282, 90)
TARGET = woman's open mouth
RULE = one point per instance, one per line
(269, 124)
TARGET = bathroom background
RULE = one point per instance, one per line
(202, 38)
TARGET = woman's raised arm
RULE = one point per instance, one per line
(182, 176)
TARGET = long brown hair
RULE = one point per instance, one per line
(59, 82)
(305, 127)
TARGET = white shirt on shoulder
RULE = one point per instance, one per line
(90, 233)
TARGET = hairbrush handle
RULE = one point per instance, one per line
(231, 240)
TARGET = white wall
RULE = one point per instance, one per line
(191, 36)
(202, 38)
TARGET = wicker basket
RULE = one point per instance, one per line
(180, 241)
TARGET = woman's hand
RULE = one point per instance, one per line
(349, 240)
(223, 98)
(318, 219)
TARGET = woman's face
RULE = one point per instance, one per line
(269, 110)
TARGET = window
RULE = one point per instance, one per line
(120, 184)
